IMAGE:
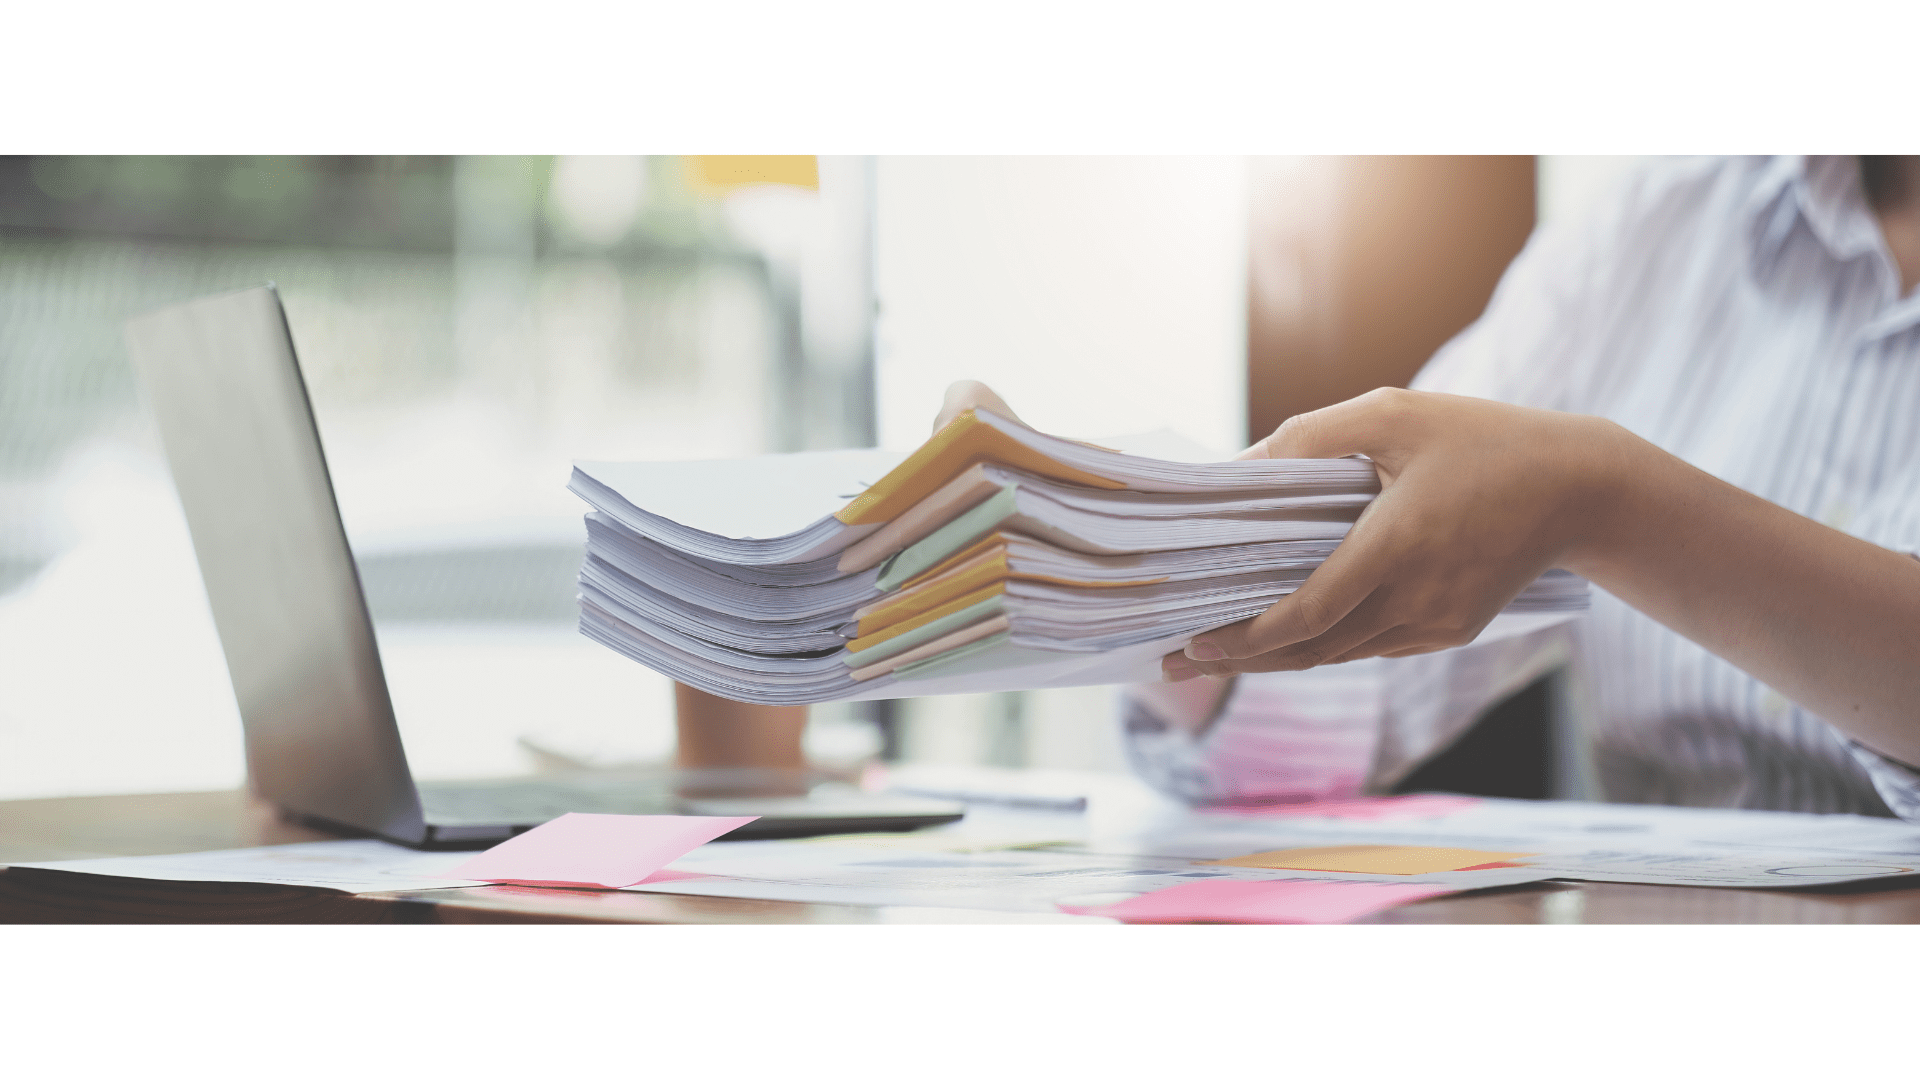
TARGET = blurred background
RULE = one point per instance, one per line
(469, 326)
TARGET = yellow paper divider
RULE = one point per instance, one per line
(867, 641)
(988, 572)
(964, 575)
(965, 441)
(951, 563)
(987, 566)
(1372, 859)
(973, 550)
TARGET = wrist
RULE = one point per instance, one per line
(1612, 472)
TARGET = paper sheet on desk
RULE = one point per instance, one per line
(1262, 902)
(607, 851)
(1021, 881)
(350, 866)
(1395, 860)
(1655, 845)
(1359, 808)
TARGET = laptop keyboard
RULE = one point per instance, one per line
(534, 801)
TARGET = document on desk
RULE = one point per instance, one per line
(1262, 902)
(607, 851)
(1006, 880)
(349, 866)
(1652, 845)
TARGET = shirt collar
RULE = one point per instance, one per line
(1824, 192)
(1836, 208)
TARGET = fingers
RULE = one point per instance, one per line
(970, 394)
(1329, 595)
(1391, 644)
(1337, 647)
(1298, 658)
(1396, 642)
(1408, 640)
(1420, 651)
(1355, 426)
(1400, 641)
(1366, 623)
(1175, 667)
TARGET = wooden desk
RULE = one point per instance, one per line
(44, 829)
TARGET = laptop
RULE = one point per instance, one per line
(321, 738)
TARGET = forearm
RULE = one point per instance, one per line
(1829, 620)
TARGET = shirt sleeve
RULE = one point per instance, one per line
(1331, 732)
(1288, 736)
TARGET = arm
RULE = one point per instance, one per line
(1478, 498)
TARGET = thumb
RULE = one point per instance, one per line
(1360, 425)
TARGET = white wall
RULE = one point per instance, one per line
(1099, 296)
(1568, 184)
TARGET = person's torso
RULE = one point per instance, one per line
(1760, 340)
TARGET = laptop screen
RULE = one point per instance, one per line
(232, 409)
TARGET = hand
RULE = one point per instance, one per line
(1477, 499)
(970, 394)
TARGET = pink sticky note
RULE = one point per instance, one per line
(1262, 901)
(1360, 809)
(610, 851)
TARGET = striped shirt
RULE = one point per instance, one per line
(1744, 315)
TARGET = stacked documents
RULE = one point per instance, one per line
(992, 558)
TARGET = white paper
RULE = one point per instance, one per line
(1652, 845)
(1576, 841)
(350, 866)
(751, 498)
(1163, 443)
(1011, 880)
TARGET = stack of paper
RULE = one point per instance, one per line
(993, 558)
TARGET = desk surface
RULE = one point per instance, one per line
(45, 829)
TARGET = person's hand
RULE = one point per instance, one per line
(969, 394)
(1477, 499)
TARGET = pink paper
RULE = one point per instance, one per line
(609, 851)
(1263, 901)
(1359, 809)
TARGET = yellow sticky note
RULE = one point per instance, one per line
(719, 174)
(1372, 859)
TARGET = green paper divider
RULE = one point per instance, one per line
(946, 624)
(949, 538)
